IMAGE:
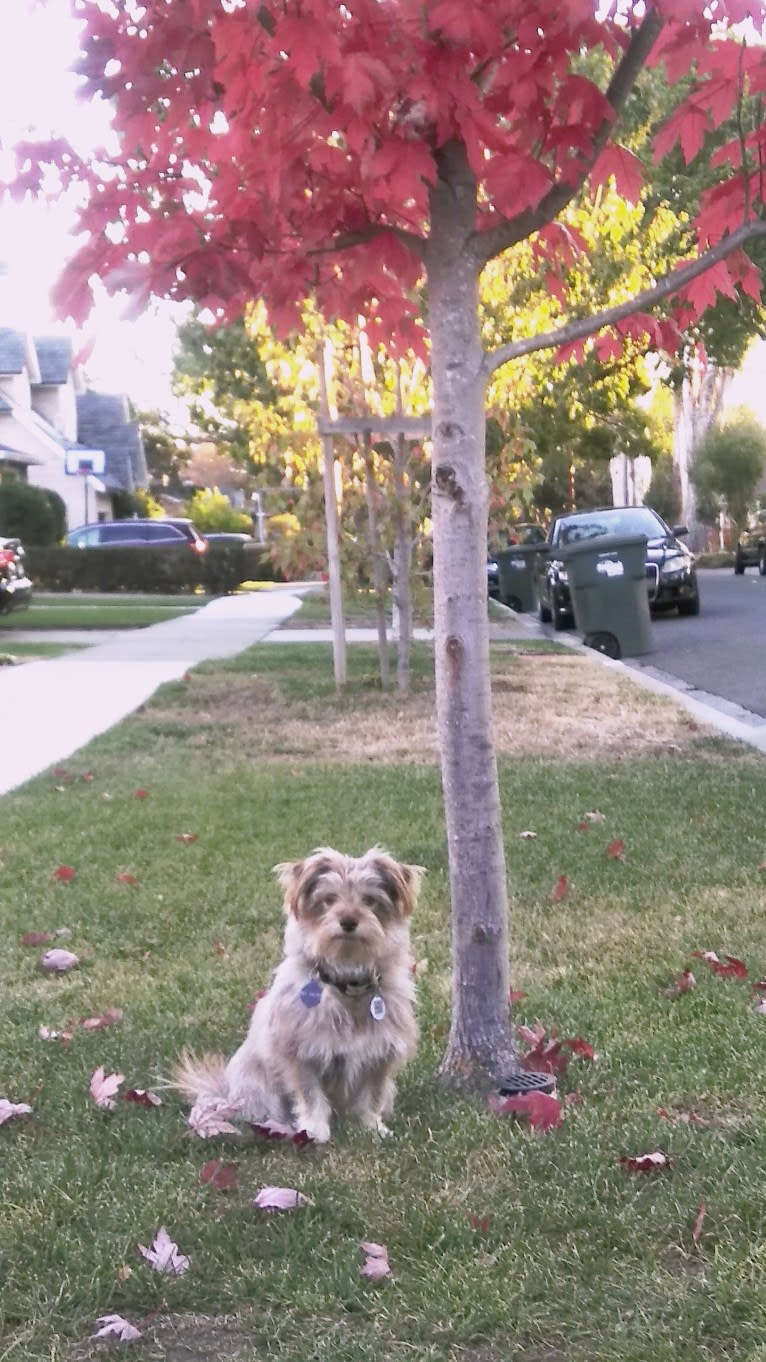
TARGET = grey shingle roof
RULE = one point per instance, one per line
(12, 351)
(103, 423)
(54, 355)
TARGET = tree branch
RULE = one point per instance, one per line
(346, 240)
(588, 326)
(492, 242)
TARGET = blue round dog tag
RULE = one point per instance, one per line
(377, 1007)
(311, 993)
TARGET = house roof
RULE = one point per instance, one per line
(54, 355)
(12, 351)
(103, 422)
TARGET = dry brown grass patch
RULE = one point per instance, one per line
(545, 704)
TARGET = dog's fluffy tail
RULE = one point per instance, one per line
(200, 1078)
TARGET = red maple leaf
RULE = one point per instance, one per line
(125, 877)
(36, 938)
(540, 1109)
(626, 169)
(140, 794)
(560, 889)
(219, 1174)
(616, 850)
(64, 873)
(731, 967)
(646, 1163)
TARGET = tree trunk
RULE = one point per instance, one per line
(697, 405)
(480, 1047)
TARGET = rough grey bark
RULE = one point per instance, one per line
(479, 1047)
(697, 405)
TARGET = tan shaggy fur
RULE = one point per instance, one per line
(338, 1020)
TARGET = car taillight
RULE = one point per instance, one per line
(6, 558)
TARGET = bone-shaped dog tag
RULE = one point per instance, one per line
(311, 993)
(377, 1007)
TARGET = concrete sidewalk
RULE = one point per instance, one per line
(52, 708)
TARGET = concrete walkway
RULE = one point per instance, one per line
(53, 707)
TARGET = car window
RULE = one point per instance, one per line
(85, 538)
(625, 521)
(158, 533)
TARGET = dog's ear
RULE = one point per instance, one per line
(402, 881)
(289, 875)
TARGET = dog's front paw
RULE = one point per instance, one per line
(376, 1125)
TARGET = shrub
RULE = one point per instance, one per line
(33, 514)
(163, 569)
(211, 511)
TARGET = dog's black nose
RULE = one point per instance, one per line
(349, 924)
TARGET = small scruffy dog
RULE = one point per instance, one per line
(338, 1020)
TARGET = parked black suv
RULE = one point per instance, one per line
(136, 532)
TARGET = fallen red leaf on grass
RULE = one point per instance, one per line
(542, 1111)
(58, 961)
(187, 837)
(697, 1226)
(110, 1016)
(560, 889)
(163, 1254)
(218, 1174)
(480, 1223)
(729, 968)
(140, 794)
(645, 1163)
(116, 1326)
(272, 1130)
(48, 1033)
(279, 1199)
(616, 850)
(35, 938)
(375, 1265)
(10, 1109)
(143, 1097)
(64, 873)
(516, 995)
(125, 877)
(103, 1088)
(546, 1055)
(211, 1119)
(682, 984)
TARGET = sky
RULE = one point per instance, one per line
(38, 92)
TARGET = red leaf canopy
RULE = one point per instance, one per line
(281, 149)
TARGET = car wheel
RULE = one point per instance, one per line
(691, 607)
(762, 564)
(543, 611)
(739, 566)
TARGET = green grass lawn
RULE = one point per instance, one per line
(504, 1243)
(69, 611)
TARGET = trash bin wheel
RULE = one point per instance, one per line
(603, 643)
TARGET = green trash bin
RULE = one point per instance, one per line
(516, 568)
(610, 599)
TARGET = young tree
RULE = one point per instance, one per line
(729, 466)
(355, 152)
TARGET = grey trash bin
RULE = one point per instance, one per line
(607, 583)
(516, 568)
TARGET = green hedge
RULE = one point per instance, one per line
(159, 569)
